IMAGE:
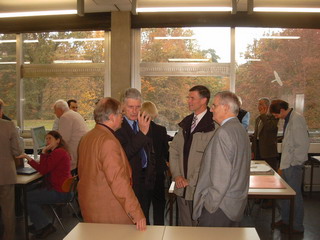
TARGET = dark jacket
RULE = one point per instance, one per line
(132, 144)
(159, 138)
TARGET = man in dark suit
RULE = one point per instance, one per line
(10, 148)
(138, 147)
(221, 193)
(264, 141)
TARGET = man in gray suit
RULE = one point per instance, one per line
(9, 148)
(221, 193)
(295, 146)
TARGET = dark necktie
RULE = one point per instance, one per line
(143, 154)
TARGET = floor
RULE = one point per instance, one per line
(259, 218)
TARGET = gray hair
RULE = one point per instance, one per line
(104, 108)
(230, 99)
(265, 100)
(61, 104)
(131, 93)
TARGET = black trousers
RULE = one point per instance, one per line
(158, 200)
(143, 195)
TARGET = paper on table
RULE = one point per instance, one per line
(270, 182)
(260, 169)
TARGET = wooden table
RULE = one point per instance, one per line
(286, 193)
(23, 181)
(96, 231)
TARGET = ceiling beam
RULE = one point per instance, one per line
(90, 21)
(240, 19)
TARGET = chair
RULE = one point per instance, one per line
(69, 185)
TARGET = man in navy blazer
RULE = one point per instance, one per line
(221, 193)
(134, 138)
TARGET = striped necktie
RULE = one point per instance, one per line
(194, 123)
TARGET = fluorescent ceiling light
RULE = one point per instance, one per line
(37, 13)
(286, 9)
(175, 38)
(57, 40)
(252, 60)
(280, 37)
(4, 63)
(72, 61)
(188, 60)
(185, 9)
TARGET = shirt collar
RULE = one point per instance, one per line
(226, 120)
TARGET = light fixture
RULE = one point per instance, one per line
(176, 38)
(188, 60)
(184, 9)
(286, 9)
(37, 13)
(280, 37)
(252, 60)
(57, 40)
(72, 61)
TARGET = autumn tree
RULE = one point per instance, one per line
(296, 61)
(169, 92)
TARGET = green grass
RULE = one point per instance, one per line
(28, 124)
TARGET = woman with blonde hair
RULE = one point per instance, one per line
(158, 134)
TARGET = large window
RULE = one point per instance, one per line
(274, 63)
(61, 65)
(8, 73)
(175, 59)
(280, 63)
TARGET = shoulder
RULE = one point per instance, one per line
(61, 152)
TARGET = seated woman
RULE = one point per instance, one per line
(55, 166)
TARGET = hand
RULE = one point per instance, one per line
(141, 224)
(144, 122)
(181, 182)
(23, 155)
(49, 147)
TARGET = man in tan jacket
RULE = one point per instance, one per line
(9, 149)
(105, 191)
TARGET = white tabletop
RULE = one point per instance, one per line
(283, 191)
(96, 231)
(288, 191)
(25, 179)
(209, 233)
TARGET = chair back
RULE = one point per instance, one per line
(70, 184)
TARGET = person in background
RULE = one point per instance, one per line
(264, 140)
(294, 153)
(134, 138)
(186, 150)
(55, 166)
(71, 127)
(105, 191)
(243, 116)
(73, 105)
(2, 116)
(10, 148)
(160, 144)
(221, 194)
